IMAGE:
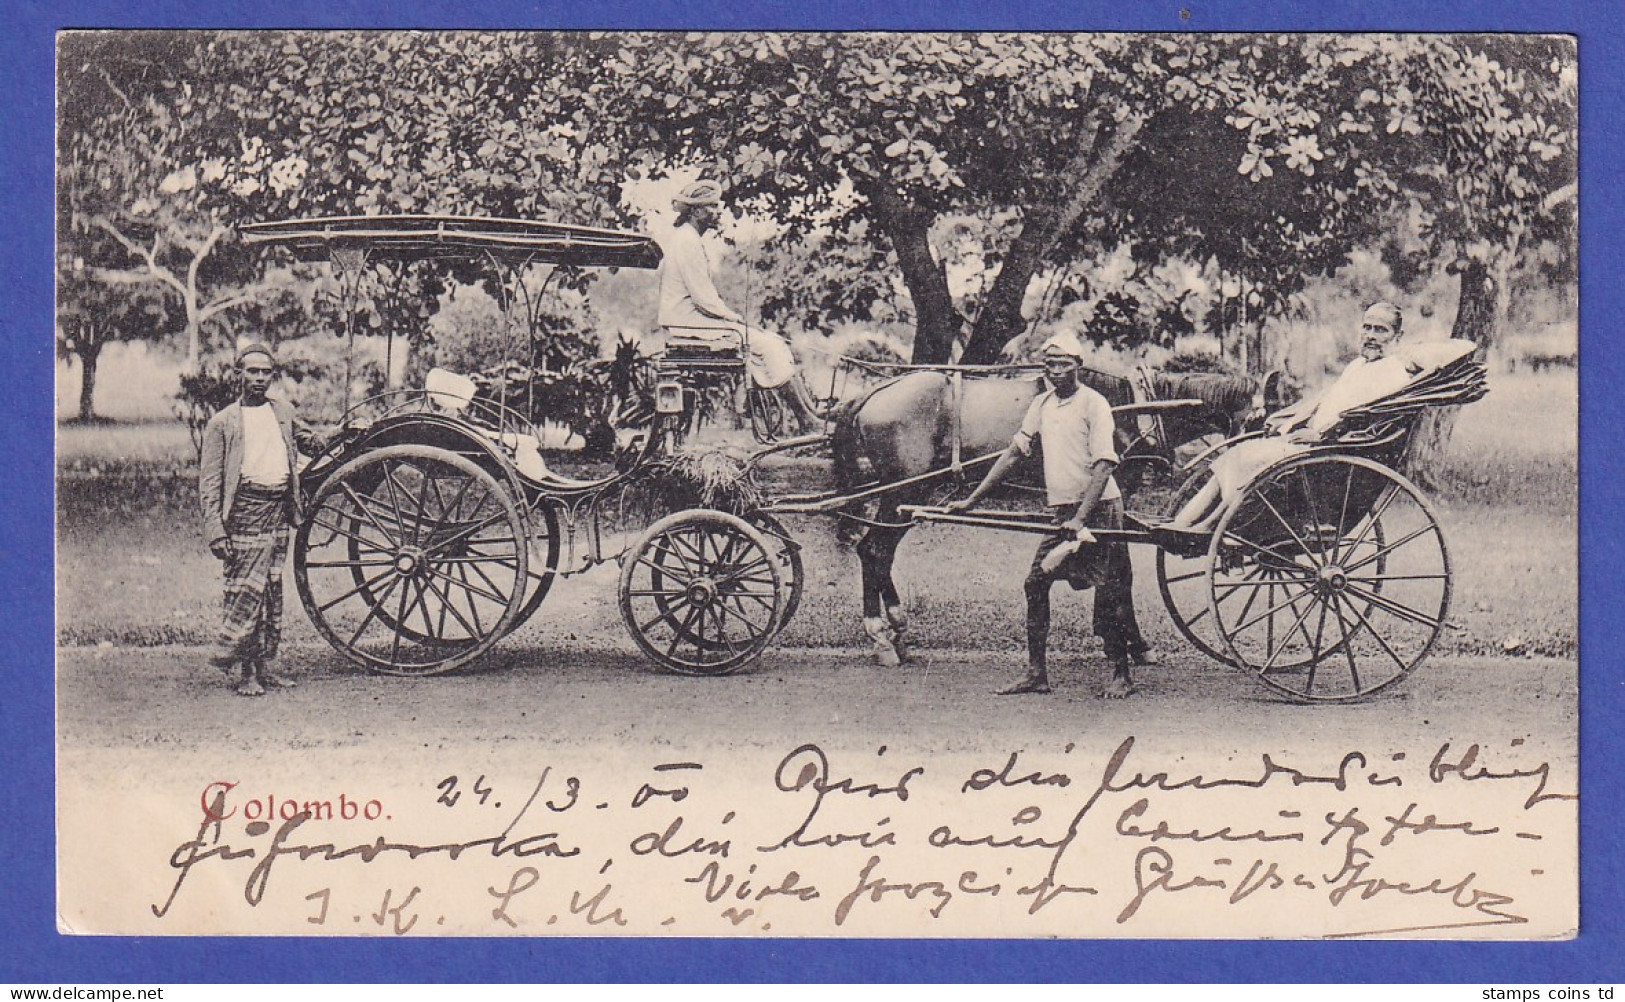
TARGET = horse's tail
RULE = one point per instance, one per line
(846, 457)
(846, 444)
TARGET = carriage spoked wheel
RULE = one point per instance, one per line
(1329, 578)
(786, 553)
(769, 418)
(413, 560)
(542, 528)
(1182, 577)
(701, 592)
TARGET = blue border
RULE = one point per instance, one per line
(32, 949)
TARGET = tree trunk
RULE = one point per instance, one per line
(936, 322)
(1001, 318)
(1094, 162)
(1481, 307)
(1481, 303)
(89, 356)
(194, 334)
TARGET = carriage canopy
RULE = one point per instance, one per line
(515, 242)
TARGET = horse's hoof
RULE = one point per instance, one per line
(887, 652)
(1029, 686)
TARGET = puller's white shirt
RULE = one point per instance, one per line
(1077, 433)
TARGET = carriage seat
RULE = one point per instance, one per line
(449, 390)
(692, 354)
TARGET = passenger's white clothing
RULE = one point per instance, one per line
(1360, 384)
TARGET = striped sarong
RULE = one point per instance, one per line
(258, 528)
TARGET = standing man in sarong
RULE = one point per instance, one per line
(249, 490)
(1075, 426)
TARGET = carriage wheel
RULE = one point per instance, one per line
(786, 553)
(701, 593)
(1182, 579)
(542, 567)
(412, 560)
(767, 413)
(1329, 579)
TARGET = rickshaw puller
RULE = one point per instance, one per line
(1076, 427)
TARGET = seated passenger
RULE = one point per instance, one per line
(1377, 373)
(690, 306)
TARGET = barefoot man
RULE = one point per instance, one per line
(249, 493)
(1075, 425)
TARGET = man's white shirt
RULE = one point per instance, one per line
(265, 454)
(1077, 433)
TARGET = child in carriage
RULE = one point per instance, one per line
(1380, 370)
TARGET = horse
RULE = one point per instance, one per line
(933, 420)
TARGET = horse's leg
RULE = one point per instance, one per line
(886, 552)
(875, 553)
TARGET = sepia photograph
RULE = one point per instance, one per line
(622, 483)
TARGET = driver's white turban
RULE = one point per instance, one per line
(699, 193)
(1064, 343)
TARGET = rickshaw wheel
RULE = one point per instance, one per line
(1329, 578)
(1183, 581)
(786, 552)
(701, 593)
(412, 560)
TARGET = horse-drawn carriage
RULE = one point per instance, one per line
(437, 528)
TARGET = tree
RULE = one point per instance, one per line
(1492, 128)
(136, 119)
(1274, 155)
(911, 126)
(456, 123)
(91, 314)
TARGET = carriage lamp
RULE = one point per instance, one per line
(669, 398)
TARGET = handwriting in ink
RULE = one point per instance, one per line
(808, 768)
(1442, 768)
(523, 879)
(876, 889)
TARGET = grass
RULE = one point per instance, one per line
(1517, 447)
(133, 570)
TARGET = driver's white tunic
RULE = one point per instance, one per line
(691, 307)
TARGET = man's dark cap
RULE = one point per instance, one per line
(256, 348)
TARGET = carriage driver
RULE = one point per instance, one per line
(690, 306)
(1075, 425)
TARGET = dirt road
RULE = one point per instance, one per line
(563, 696)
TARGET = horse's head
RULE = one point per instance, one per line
(1280, 389)
(626, 380)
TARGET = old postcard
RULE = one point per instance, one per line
(817, 484)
